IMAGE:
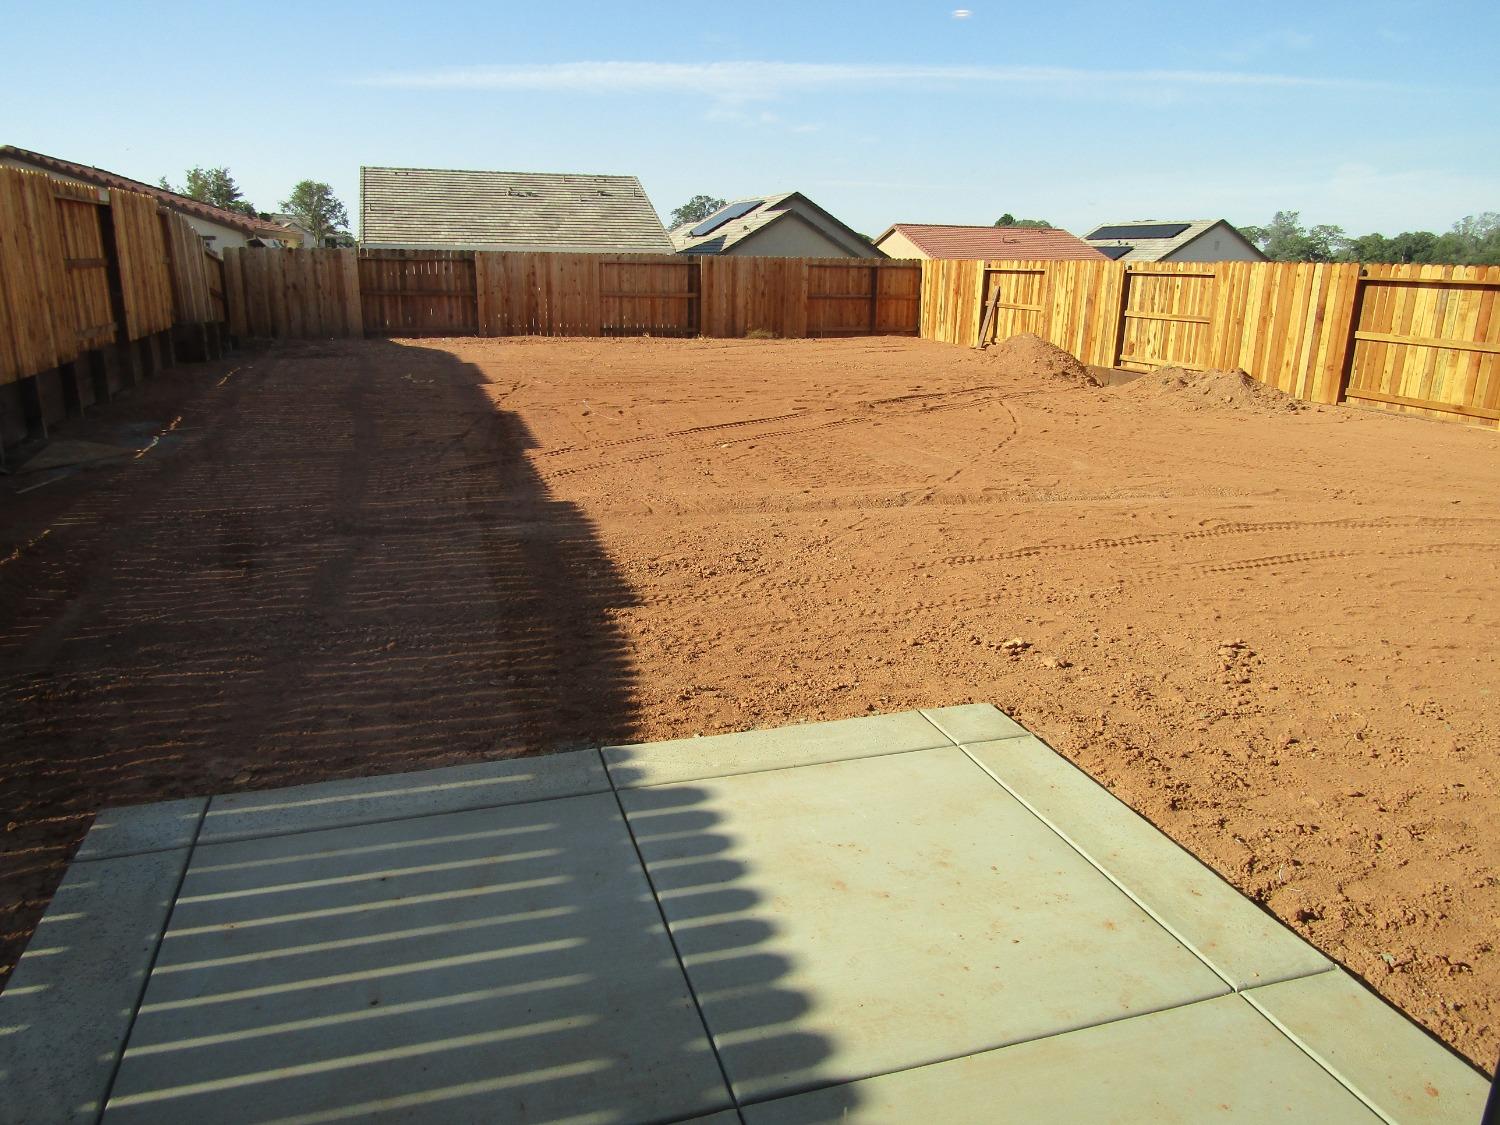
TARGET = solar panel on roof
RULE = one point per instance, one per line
(1115, 253)
(719, 218)
(1141, 230)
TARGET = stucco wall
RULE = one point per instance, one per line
(897, 245)
(791, 237)
(1217, 244)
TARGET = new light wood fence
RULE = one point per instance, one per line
(1414, 338)
(466, 293)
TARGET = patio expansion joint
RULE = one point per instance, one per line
(946, 745)
(661, 914)
(1286, 1033)
(1092, 862)
(939, 1060)
(161, 935)
(277, 835)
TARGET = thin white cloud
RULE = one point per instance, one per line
(746, 81)
(962, 13)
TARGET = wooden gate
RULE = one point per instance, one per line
(1019, 296)
(1167, 317)
(1428, 339)
(417, 292)
(862, 298)
(642, 296)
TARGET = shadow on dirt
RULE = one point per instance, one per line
(345, 566)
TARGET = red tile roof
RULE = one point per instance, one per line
(184, 203)
(1032, 243)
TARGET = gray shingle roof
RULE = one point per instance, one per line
(450, 209)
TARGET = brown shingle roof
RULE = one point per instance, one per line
(1031, 243)
(184, 203)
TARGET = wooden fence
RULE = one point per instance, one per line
(1413, 338)
(82, 268)
(466, 293)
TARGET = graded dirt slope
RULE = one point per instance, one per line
(1271, 633)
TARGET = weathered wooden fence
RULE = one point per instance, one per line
(92, 284)
(467, 293)
(1414, 338)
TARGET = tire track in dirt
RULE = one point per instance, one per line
(1130, 542)
(870, 407)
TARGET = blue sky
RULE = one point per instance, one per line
(1375, 115)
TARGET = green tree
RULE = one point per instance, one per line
(1476, 239)
(1009, 220)
(1473, 241)
(313, 204)
(214, 186)
(1285, 239)
(695, 210)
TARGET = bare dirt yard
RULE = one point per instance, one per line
(1270, 630)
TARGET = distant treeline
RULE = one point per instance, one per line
(1473, 241)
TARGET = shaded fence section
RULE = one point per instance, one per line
(97, 288)
(485, 293)
(1413, 338)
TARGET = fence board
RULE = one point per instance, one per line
(37, 313)
(145, 278)
(189, 271)
(78, 210)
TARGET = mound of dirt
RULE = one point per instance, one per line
(1029, 354)
(1212, 390)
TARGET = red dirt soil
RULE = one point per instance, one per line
(1271, 633)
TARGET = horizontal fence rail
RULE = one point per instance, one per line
(1419, 339)
(514, 293)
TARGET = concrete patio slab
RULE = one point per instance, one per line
(499, 964)
(904, 891)
(1242, 942)
(861, 920)
(1218, 1060)
(392, 796)
(133, 829)
(69, 1005)
(719, 755)
(1373, 1048)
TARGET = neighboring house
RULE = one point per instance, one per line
(304, 237)
(934, 240)
(443, 209)
(788, 225)
(219, 228)
(1161, 240)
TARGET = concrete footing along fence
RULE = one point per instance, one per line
(1421, 339)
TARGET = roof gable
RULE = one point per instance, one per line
(769, 209)
(938, 240)
(457, 209)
